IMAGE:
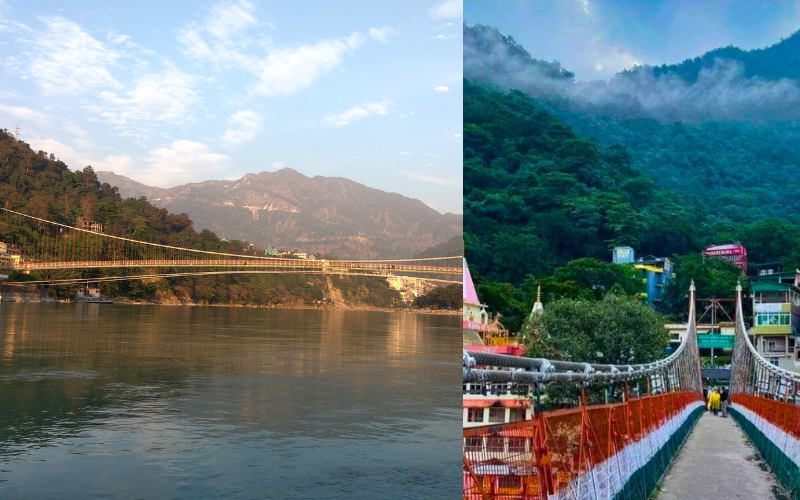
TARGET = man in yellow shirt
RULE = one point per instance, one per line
(714, 402)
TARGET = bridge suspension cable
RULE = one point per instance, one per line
(36, 244)
(593, 452)
(751, 372)
(681, 369)
(765, 404)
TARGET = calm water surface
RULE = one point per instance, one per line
(108, 401)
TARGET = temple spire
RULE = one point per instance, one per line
(537, 306)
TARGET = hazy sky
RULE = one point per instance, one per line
(170, 92)
(596, 39)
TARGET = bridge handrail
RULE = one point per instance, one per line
(741, 335)
(547, 370)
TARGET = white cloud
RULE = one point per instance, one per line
(119, 164)
(441, 88)
(68, 60)
(227, 19)
(25, 114)
(434, 180)
(382, 34)
(443, 37)
(457, 135)
(285, 71)
(406, 152)
(164, 96)
(221, 39)
(358, 112)
(614, 59)
(77, 160)
(182, 162)
(448, 9)
(114, 38)
(278, 165)
(242, 126)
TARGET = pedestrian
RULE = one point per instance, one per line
(713, 402)
(725, 401)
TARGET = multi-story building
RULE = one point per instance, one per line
(656, 271)
(732, 252)
(776, 319)
(484, 402)
(90, 225)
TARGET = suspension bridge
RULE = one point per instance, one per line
(621, 450)
(38, 245)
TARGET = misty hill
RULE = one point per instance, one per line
(494, 58)
(776, 62)
(724, 84)
(286, 209)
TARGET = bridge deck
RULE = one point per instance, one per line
(717, 462)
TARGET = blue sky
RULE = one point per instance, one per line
(170, 92)
(596, 39)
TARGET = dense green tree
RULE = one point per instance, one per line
(616, 329)
(443, 297)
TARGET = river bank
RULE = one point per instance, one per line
(32, 294)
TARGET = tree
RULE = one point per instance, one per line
(617, 329)
(592, 278)
(443, 297)
(89, 207)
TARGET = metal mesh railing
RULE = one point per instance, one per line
(605, 451)
(765, 405)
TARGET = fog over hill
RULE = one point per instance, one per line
(286, 209)
(724, 84)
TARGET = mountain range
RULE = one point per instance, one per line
(288, 210)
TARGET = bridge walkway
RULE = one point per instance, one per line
(718, 462)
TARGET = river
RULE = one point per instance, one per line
(115, 401)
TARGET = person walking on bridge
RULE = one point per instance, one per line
(724, 399)
(714, 402)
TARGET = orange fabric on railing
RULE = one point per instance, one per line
(531, 460)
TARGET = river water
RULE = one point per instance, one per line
(112, 401)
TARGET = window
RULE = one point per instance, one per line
(497, 415)
(509, 482)
(517, 415)
(773, 319)
(473, 444)
(475, 415)
(516, 445)
(495, 444)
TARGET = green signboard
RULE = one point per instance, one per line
(716, 341)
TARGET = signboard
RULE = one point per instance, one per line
(769, 308)
(623, 255)
(716, 341)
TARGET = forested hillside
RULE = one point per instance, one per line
(36, 183)
(538, 195)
